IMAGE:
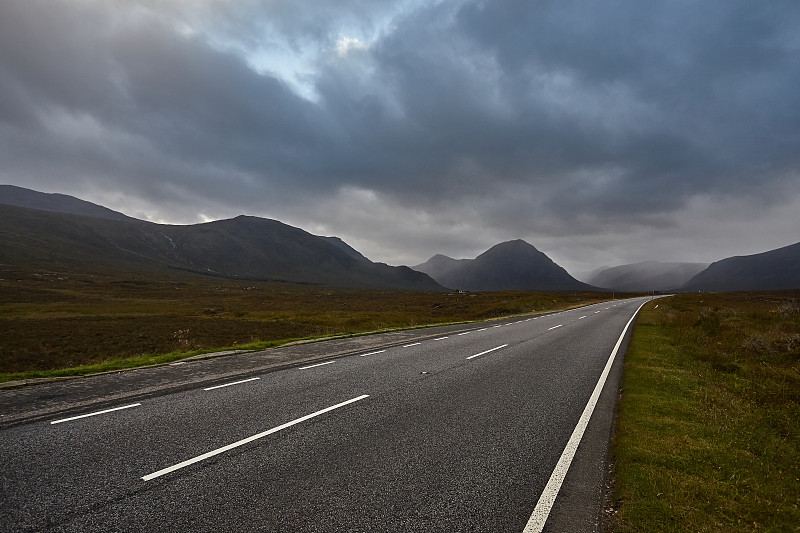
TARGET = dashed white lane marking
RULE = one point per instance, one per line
(487, 351)
(554, 327)
(441, 338)
(596, 312)
(229, 384)
(218, 451)
(483, 329)
(464, 333)
(95, 414)
(497, 326)
(412, 344)
(371, 353)
(318, 364)
(581, 318)
(548, 497)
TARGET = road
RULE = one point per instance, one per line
(460, 430)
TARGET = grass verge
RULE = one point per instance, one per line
(111, 365)
(708, 430)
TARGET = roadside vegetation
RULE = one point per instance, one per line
(708, 432)
(56, 323)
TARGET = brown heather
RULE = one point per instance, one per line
(60, 320)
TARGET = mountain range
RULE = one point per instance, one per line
(50, 231)
(646, 276)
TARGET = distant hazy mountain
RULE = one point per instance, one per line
(512, 265)
(243, 247)
(439, 265)
(59, 203)
(647, 276)
(773, 270)
(586, 275)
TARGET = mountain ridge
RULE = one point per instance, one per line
(57, 203)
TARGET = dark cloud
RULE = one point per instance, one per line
(418, 127)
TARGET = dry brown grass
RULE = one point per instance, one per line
(51, 320)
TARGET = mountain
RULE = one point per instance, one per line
(646, 276)
(773, 270)
(439, 265)
(58, 203)
(586, 275)
(339, 243)
(243, 247)
(512, 265)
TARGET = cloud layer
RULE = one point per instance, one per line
(600, 132)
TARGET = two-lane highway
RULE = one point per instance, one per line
(457, 432)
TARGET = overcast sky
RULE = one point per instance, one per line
(602, 132)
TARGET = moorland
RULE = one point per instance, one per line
(54, 321)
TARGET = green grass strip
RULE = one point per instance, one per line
(708, 431)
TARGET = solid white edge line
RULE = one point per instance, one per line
(545, 504)
(554, 327)
(95, 414)
(371, 353)
(236, 444)
(487, 351)
(229, 384)
(318, 364)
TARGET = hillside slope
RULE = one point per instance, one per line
(773, 270)
(58, 203)
(243, 247)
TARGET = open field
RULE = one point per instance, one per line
(708, 434)
(54, 320)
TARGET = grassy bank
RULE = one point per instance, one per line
(67, 323)
(708, 433)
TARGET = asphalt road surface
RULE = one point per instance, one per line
(462, 429)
